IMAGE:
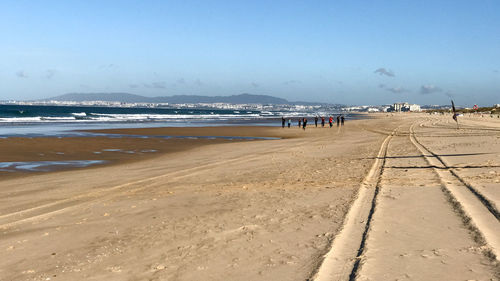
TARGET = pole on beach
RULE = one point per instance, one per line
(455, 115)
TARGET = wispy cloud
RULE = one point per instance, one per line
(290, 82)
(198, 83)
(255, 85)
(108, 66)
(386, 72)
(49, 73)
(181, 81)
(395, 90)
(429, 89)
(159, 85)
(398, 90)
(155, 85)
(21, 74)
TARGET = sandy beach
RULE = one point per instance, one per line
(393, 197)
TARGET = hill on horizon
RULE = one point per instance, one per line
(132, 98)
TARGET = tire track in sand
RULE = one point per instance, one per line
(46, 210)
(480, 213)
(342, 259)
(59, 206)
(415, 232)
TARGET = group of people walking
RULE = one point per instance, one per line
(302, 122)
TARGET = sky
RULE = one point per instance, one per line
(348, 52)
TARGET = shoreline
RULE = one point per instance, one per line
(114, 149)
(124, 146)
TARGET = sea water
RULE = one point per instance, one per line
(35, 120)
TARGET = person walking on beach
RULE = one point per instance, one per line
(338, 120)
(300, 122)
(304, 124)
(316, 121)
(282, 122)
(289, 123)
(330, 121)
(322, 121)
(342, 120)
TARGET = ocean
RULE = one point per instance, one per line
(19, 120)
(33, 121)
(28, 114)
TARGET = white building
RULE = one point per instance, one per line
(404, 107)
(400, 106)
(415, 108)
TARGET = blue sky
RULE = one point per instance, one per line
(352, 52)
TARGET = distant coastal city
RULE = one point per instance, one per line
(274, 105)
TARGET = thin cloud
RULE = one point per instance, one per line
(155, 85)
(159, 85)
(255, 85)
(382, 71)
(395, 90)
(21, 74)
(290, 82)
(108, 66)
(134, 86)
(49, 74)
(198, 83)
(181, 81)
(449, 94)
(429, 89)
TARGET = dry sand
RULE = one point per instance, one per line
(260, 210)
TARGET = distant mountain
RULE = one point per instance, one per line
(131, 98)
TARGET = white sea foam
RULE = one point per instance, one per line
(82, 117)
(153, 117)
(99, 117)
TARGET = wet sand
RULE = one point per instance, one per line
(119, 150)
(249, 210)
